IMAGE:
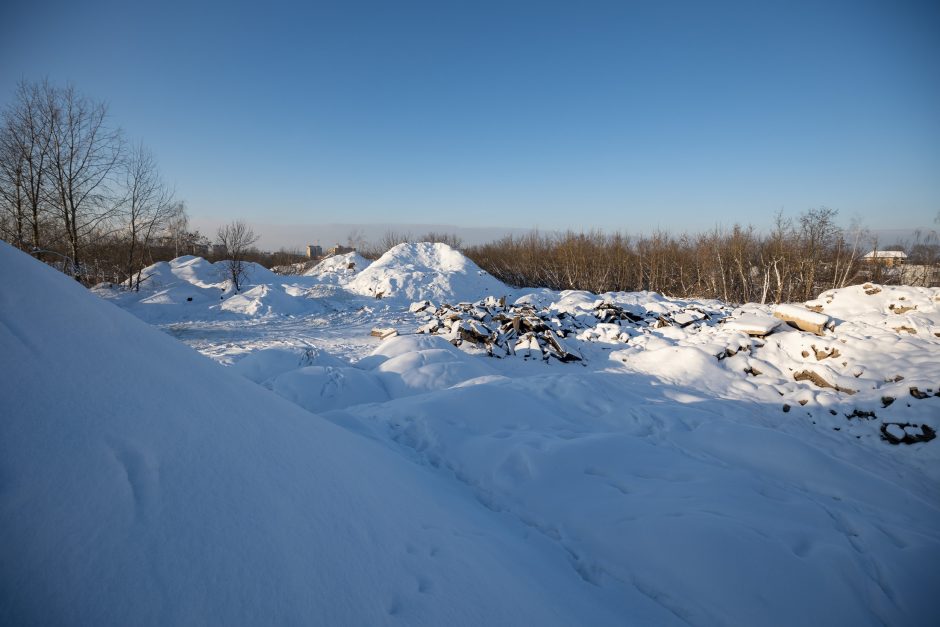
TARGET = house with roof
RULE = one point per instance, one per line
(887, 258)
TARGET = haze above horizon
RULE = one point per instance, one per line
(620, 116)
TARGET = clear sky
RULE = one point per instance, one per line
(617, 115)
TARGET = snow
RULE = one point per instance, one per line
(885, 254)
(752, 324)
(895, 430)
(339, 268)
(144, 484)
(803, 314)
(681, 470)
(425, 271)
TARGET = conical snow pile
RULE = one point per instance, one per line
(426, 271)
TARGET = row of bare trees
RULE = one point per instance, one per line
(795, 261)
(74, 192)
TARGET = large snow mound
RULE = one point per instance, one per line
(425, 271)
(141, 483)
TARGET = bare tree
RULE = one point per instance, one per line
(83, 158)
(146, 209)
(819, 234)
(237, 239)
(12, 191)
(177, 225)
(26, 145)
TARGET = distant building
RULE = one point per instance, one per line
(340, 250)
(314, 252)
(887, 258)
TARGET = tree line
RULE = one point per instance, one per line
(795, 261)
(74, 191)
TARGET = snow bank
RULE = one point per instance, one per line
(425, 271)
(398, 367)
(262, 365)
(144, 484)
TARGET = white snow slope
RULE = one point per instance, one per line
(141, 483)
(426, 271)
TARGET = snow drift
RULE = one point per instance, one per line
(426, 271)
(140, 483)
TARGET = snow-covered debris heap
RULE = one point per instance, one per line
(339, 268)
(866, 353)
(425, 271)
(902, 309)
(500, 330)
(530, 331)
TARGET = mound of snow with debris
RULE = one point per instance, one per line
(144, 484)
(873, 373)
(425, 271)
(339, 268)
(905, 309)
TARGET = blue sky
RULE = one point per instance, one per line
(616, 115)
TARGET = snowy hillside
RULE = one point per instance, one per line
(425, 271)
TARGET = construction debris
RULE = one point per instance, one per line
(804, 319)
(524, 330)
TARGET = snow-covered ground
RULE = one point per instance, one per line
(621, 458)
